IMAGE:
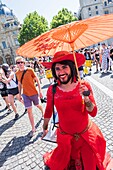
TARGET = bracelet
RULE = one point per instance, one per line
(88, 104)
(45, 127)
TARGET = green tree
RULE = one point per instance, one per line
(33, 26)
(63, 17)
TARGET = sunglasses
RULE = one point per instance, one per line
(20, 62)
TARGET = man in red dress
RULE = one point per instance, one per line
(80, 142)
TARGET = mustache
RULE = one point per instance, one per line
(62, 75)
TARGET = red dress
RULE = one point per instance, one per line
(89, 149)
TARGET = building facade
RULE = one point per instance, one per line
(90, 8)
(9, 29)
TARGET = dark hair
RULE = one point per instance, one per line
(71, 64)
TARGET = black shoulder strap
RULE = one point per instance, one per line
(53, 91)
(23, 75)
(16, 82)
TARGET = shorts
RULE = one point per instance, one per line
(29, 99)
(4, 93)
(13, 91)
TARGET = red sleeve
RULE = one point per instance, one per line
(91, 97)
(49, 107)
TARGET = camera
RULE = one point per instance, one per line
(43, 100)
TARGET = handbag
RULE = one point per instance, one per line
(51, 136)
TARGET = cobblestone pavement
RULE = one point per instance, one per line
(19, 152)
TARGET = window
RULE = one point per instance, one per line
(15, 23)
(4, 44)
(109, 1)
(89, 15)
(89, 9)
(7, 25)
(105, 3)
(106, 12)
(96, 7)
(97, 12)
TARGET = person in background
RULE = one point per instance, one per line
(88, 62)
(12, 85)
(111, 57)
(105, 58)
(13, 68)
(80, 143)
(30, 92)
(4, 90)
(97, 59)
(81, 72)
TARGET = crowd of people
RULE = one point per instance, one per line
(100, 56)
(80, 143)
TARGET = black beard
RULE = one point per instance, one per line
(67, 81)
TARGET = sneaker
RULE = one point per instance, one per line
(90, 69)
(105, 71)
(16, 116)
(9, 111)
(25, 111)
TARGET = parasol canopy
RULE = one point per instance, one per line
(70, 37)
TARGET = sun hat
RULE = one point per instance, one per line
(6, 67)
(65, 55)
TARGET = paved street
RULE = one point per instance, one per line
(19, 152)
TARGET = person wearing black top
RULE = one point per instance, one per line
(4, 91)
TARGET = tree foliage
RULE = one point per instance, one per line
(33, 26)
(63, 17)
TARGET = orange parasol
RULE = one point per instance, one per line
(70, 37)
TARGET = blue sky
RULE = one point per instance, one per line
(46, 8)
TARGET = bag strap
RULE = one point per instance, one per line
(53, 91)
(23, 75)
(16, 82)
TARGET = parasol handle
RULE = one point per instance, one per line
(78, 78)
(76, 67)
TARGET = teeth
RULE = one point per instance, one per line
(62, 76)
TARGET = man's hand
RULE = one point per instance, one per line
(44, 133)
(83, 89)
(20, 98)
